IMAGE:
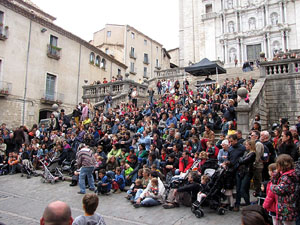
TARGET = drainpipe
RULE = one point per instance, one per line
(78, 76)
(26, 73)
(110, 69)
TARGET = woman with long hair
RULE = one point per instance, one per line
(288, 146)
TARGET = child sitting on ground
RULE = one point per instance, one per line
(104, 185)
(127, 171)
(89, 204)
(131, 193)
(118, 183)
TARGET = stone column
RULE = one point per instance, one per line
(238, 50)
(269, 46)
(267, 15)
(226, 52)
(282, 41)
(242, 114)
(242, 51)
(236, 28)
(240, 24)
(287, 39)
(284, 16)
(280, 19)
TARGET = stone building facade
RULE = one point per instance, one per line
(42, 64)
(140, 53)
(230, 30)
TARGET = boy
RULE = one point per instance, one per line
(104, 186)
(118, 183)
(89, 204)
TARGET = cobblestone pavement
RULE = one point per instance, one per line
(22, 202)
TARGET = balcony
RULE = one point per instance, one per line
(132, 55)
(51, 98)
(53, 52)
(158, 67)
(133, 71)
(3, 32)
(5, 88)
(209, 16)
(146, 62)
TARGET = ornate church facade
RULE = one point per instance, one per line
(237, 30)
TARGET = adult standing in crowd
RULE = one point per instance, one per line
(86, 163)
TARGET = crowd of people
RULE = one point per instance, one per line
(143, 149)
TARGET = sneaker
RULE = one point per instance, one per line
(137, 205)
(236, 209)
(92, 189)
(82, 193)
(169, 206)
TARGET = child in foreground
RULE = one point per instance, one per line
(89, 204)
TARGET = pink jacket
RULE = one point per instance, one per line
(270, 203)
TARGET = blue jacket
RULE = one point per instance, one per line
(145, 140)
(120, 179)
(171, 120)
(107, 181)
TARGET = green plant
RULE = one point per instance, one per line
(92, 62)
(55, 48)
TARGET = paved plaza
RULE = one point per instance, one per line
(22, 202)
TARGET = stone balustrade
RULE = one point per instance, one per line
(96, 93)
(285, 66)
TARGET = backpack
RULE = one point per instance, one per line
(266, 156)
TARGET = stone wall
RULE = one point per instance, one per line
(283, 97)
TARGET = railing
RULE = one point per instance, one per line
(5, 88)
(170, 72)
(208, 16)
(3, 32)
(53, 52)
(96, 93)
(51, 97)
(132, 55)
(285, 66)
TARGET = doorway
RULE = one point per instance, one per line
(253, 52)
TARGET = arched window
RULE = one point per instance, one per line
(97, 60)
(252, 23)
(103, 64)
(274, 18)
(231, 27)
(92, 58)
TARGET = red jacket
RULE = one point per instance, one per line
(270, 203)
(183, 168)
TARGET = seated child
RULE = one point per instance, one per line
(132, 191)
(90, 203)
(13, 163)
(204, 188)
(118, 183)
(127, 171)
(104, 185)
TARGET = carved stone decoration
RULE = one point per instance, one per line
(231, 27)
(229, 4)
(276, 47)
(232, 55)
(274, 18)
(252, 23)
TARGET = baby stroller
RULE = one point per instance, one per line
(27, 168)
(51, 176)
(69, 167)
(215, 195)
(3, 169)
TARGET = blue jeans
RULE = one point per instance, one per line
(242, 189)
(138, 194)
(86, 171)
(150, 202)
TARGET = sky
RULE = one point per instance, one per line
(158, 19)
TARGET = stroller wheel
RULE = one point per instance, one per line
(22, 175)
(43, 180)
(193, 209)
(221, 211)
(52, 181)
(28, 176)
(199, 213)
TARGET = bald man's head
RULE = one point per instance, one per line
(57, 213)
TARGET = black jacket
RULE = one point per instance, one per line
(234, 154)
(290, 149)
(193, 188)
(246, 164)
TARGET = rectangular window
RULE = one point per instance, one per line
(132, 54)
(119, 71)
(157, 63)
(0, 70)
(50, 87)
(132, 35)
(108, 34)
(208, 8)
(156, 49)
(146, 60)
(145, 71)
(145, 42)
(106, 50)
(53, 41)
(132, 67)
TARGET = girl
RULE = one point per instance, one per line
(284, 189)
